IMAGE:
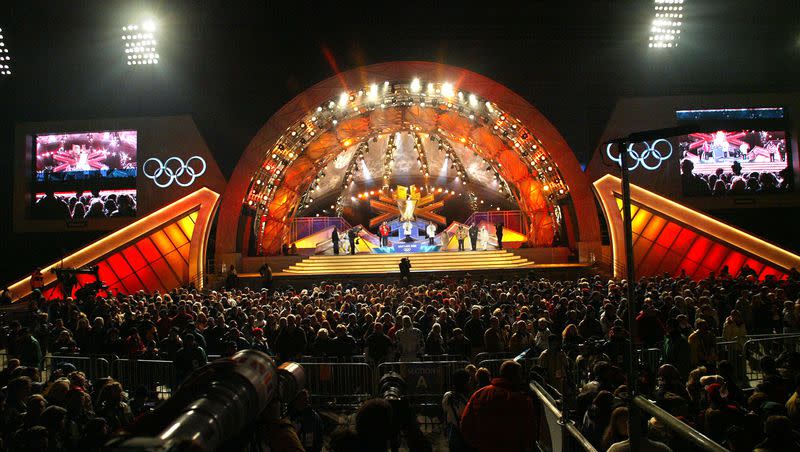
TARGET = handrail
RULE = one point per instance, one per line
(684, 431)
(578, 436)
(546, 398)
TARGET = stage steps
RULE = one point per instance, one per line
(420, 262)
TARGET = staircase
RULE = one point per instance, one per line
(420, 262)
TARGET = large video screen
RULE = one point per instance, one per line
(77, 176)
(738, 162)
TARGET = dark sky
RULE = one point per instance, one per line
(232, 64)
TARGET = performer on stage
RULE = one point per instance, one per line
(384, 231)
(445, 240)
(351, 237)
(498, 231)
(461, 235)
(473, 236)
(484, 237)
(408, 227)
(37, 280)
(431, 231)
(335, 241)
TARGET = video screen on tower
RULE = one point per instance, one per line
(78, 176)
(734, 162)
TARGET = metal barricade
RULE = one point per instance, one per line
(157, 376)
(757, 348)
(93, 367)
(494, 365)
(500, 355)
(333, 359)
(341, 383)
(426, 380)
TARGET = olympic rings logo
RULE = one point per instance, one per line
(174, 170)
(648, 156)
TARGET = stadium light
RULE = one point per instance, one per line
(665, 28)
(5, 67)
(140, 43)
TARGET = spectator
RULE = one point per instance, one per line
(459, 344)
(190, 357)
(434, 344)
(702, 345)
(410, 342)
(378, 344)
(453, 404)
(307, 422)
(500, 416)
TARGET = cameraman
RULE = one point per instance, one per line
(501, 416)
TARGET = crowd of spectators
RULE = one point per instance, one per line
(573, 327)
(82, 206)
(734, 181)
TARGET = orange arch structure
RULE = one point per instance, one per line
(523, 147)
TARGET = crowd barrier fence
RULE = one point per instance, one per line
(340, 383)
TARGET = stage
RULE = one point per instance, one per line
(493, 264)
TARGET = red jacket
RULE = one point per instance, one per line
(499, 419)
(384, 230)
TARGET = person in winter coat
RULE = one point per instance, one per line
(410, 342)
(500, 417)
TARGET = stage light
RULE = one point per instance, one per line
(5, 67)
(447, 90)
(665, 30)
(473, 100)
(372, 95)
(343, 99)
(140, 43)
(415, 85)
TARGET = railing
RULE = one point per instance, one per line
(305, 226)
(677, 426)
(564, 435)
(512, 219)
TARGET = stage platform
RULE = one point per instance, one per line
(491, 264)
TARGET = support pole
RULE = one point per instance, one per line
(634, 429)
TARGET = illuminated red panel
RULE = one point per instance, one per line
(165, 273)
(162, 242)
(134, 258)
(150, 280)
(670, 264)
(683, 241)
(187, 226)
(734, 262)
(640, 248)
(119, 265)
(184, 250)
(755, 265)
(178, 264)
(105, 273)
(175, 234)
(148, 250)
(132, 284)
(769, 271)
(669, 235)
(640, 220)
(651, 263)
(654, 228)
(714, 256)
(687, 266)
(698, 250)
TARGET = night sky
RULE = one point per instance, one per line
(232, 64)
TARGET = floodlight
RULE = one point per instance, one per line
(140, 43)
(665, 28)
(5, 67)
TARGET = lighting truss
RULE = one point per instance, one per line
(665, 29)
